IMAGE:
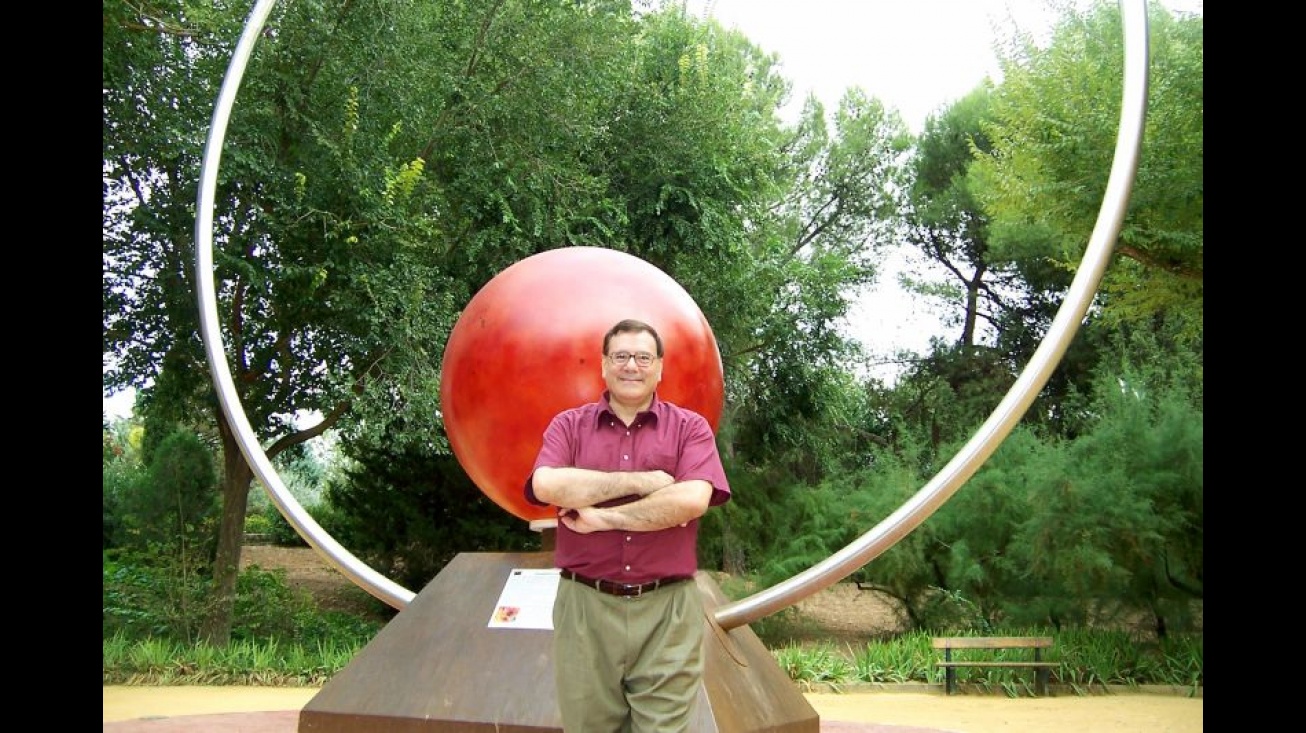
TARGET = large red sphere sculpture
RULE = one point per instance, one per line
(530, 343)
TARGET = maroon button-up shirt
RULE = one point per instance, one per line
(665, 437)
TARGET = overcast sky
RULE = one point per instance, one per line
(915, 56)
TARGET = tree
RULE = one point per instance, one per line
(816, 243)
(340, 262)
(945, 222)
(386, 159)
(1053, 124)
(177, 498)
(1121, 517)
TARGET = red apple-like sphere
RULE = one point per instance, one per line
(530, 344)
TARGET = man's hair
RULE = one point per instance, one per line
(630, 325)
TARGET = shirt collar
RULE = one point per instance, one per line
(605, 409)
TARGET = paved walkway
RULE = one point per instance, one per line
(214, 710)
(230, 709)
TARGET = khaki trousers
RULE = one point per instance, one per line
(627, 664)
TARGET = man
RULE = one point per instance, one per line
(630, 475)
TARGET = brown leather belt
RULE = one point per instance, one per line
(622, 589)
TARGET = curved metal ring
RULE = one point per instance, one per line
(839, 565)
(308, 528)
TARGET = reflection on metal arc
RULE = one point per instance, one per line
(842, 563)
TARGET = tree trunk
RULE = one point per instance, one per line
(237, 475)
(236, 478)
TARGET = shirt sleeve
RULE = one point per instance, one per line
(556, 451)
(699, 458)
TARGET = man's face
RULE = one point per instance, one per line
(628, 382)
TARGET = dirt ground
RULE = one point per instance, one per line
(307, 570)
(843, 614)
(839, 613)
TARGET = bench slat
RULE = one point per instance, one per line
(983, 663)
(1042, 668)
(992, 642)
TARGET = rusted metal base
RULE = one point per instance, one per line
(438, 667)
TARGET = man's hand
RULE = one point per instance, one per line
(585, 520)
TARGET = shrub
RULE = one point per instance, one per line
(258, 524)
(282, 534)
(154, 592)
(144, 598)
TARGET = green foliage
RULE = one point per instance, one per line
(280, 532)
(1123, 517)
(148, 597)
(258, 524)
(947, 227)
(162, 515)
(304, 472)
(810, 493)
(123, 477)
(154, 592)
(1053, 126)
(813, 664)
(178, 497)
(268, 520)
(908, 658)
(1047, 531)
(1089, 660)
(1114, 657)
(407, 513)
(744, 535)
(367, 191)
(268, 608)
(120, 479)
(267, 663)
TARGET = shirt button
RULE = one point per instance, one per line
(629, 538)
(628, 568)
(625, 458)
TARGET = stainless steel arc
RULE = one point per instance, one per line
(359, 572)
(847, 560)
(1009, 411)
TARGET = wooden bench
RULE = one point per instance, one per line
(1042, 669)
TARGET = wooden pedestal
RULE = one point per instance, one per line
(437, 667)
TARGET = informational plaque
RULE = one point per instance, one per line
(526, 601)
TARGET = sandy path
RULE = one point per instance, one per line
(1120, 713)
(1124, 713)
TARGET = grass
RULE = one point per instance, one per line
(280, 638)
(1088, 661)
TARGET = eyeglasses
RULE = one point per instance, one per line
(621, 357)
